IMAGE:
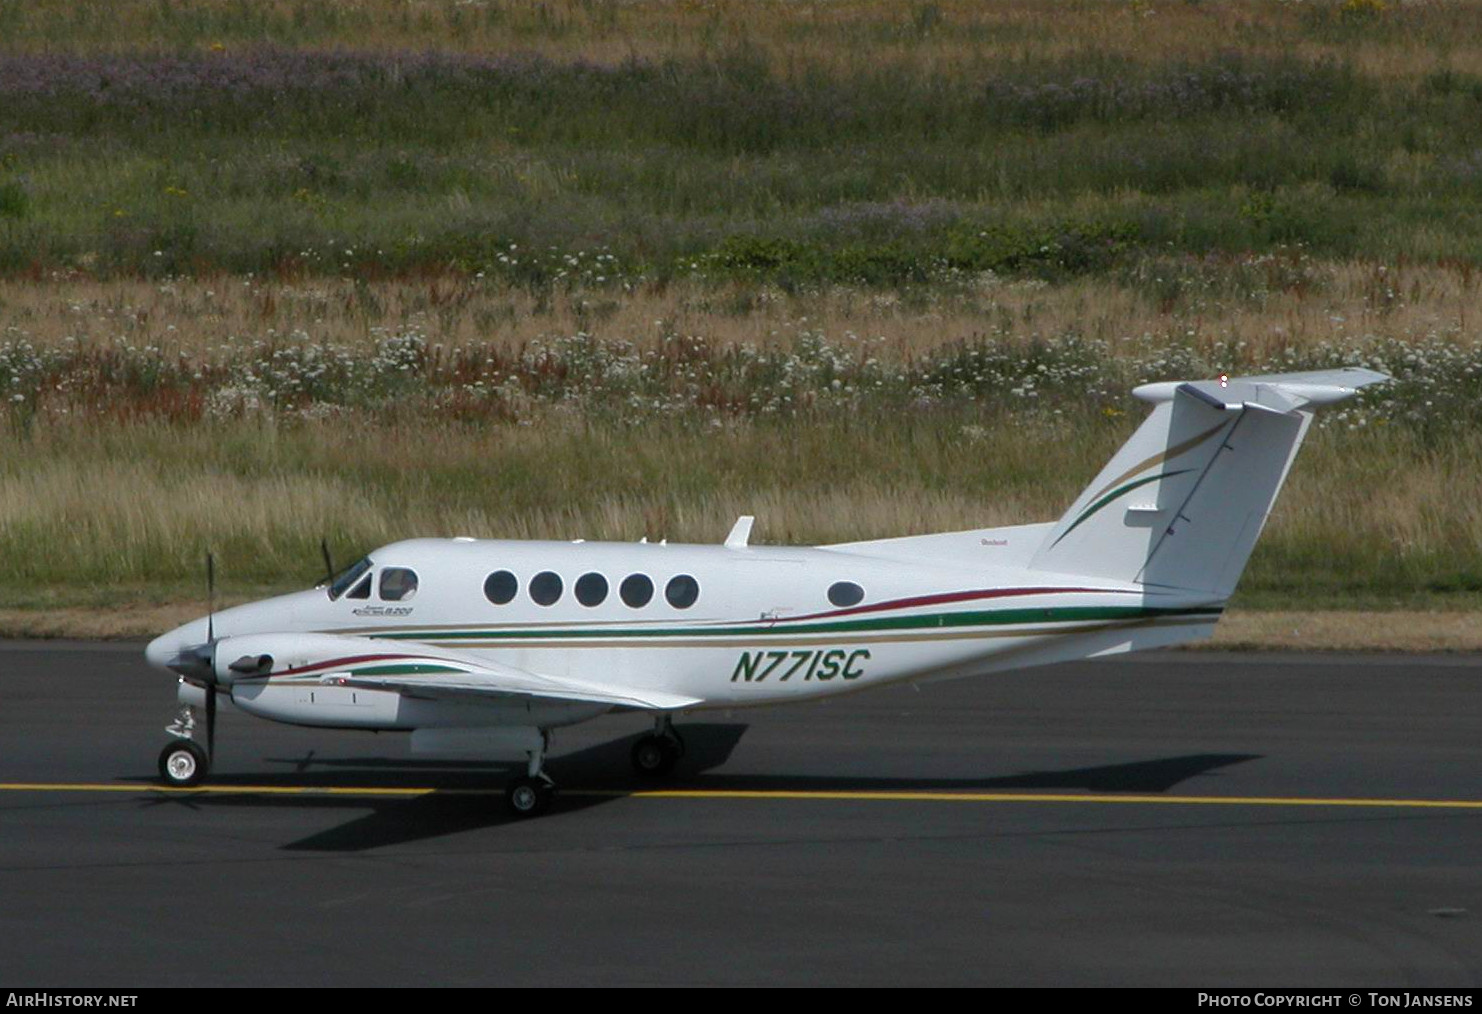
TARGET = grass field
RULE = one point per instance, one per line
(801, 143)
(277, 271)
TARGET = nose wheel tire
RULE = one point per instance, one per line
(655, 756)
(183, 763)
(529, 797)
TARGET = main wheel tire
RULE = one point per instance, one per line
(655, 756)
(183, 763)
(529, 797)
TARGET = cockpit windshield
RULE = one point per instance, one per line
(348, 577)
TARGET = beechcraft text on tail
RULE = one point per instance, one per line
(482, 647)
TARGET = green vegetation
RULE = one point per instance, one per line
(291, 148)
(376, 268)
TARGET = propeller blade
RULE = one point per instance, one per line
(210, 599)
(211, 720)
(328, 563)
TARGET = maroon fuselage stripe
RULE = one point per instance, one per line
(947, 597)
(349, 660)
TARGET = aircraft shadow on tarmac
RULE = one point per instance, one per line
(467, 795)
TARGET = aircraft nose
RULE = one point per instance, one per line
(168, 647)
(161, 650)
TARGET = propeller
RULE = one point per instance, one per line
(198, 664)
(210, 657)
(211, 719)
(210, 599)
(328, 563)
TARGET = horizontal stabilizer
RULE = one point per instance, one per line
(1280, 391)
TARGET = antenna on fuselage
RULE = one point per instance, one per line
(740, 536)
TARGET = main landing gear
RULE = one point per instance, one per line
(655, 755)
(184, 762)
(531, 795)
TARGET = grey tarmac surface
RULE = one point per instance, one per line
(137, 887)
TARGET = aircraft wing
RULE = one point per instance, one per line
(438, 677)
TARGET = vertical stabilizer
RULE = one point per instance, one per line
(1181, 504)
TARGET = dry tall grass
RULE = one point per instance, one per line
(94, 504)
(1306, 302)
(127, 516)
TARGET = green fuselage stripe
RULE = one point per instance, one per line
(401, 670)
(930, 621)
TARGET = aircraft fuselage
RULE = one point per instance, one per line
(766, 625)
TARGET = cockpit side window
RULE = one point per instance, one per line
(360, 591)
(398, 584)
(348, 577)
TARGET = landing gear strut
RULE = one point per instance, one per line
(531, 795)
(185, 723)
(655, 755)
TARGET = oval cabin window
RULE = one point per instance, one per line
(500, 587)
(545, 588)
(591, 589)
(845, 593)
(682, 591)
(637, 590)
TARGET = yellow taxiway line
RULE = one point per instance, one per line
(905, 795)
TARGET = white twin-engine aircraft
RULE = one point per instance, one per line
(482, 647)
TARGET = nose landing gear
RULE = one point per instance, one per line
(183, 762)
